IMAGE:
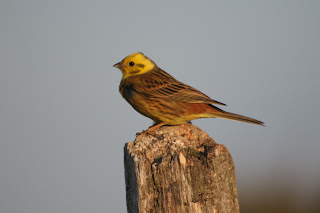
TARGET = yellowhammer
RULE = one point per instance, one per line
(157, 95)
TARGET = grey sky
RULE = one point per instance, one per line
(63, 123)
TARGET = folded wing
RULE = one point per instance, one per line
(162, 85)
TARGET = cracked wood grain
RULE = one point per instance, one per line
(180, 170)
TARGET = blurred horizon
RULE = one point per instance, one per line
(64, 124)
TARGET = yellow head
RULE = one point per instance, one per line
(135, 64)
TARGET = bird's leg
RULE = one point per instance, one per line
(149, 131)
(155, 127)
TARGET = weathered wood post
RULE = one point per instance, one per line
(181, 170)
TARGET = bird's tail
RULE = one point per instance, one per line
(236, 117)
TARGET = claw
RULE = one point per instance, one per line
(149, 131)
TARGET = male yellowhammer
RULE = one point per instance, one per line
(157, 95)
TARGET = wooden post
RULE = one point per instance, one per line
(181, 170)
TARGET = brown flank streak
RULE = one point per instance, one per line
(167, 107)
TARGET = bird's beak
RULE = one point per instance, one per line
(118, 65)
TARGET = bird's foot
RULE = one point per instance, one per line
(150, 130)
(147, 132)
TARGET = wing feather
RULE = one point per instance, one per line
(159, 84)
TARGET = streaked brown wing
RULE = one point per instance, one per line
(162, 85)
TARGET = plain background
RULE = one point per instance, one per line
(63, 123)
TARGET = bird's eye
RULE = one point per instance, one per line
(131, 63)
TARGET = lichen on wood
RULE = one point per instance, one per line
(182, 169)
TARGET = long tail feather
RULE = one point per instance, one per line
(236, 117)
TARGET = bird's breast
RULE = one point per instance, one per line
(127, 91)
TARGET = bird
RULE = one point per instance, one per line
(157, 95)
